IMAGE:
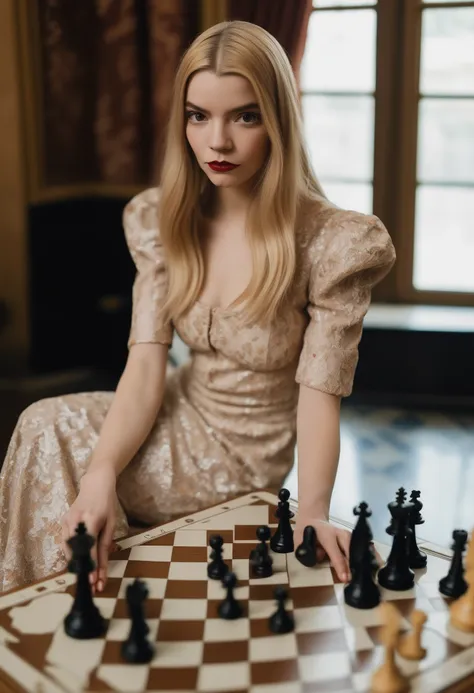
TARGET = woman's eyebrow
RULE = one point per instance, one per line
(232, 110)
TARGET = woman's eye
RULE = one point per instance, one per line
(255, 118)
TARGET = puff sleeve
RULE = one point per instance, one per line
(149, 288)
(352, 253)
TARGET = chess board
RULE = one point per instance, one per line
(334, 648)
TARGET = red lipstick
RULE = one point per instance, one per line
(221, 166)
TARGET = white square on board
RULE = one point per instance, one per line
(188, 571)
(176, 654)
(218, 630)
(183, 609)
(190, 537)
(317, 618)
(261, 608)
(223, 677)
(161, 554)
(276, 647)
(216, 590)
(116, 569)
(126, 678)
(324, 667)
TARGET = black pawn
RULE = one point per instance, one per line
(137, 649)
(396, 573)
(306, 551)
(454, 585)
(281, 621)
(361, 539)
(362, 592)
(217, 568)
(261, 560)
(416, 558)
(230, 608)
(282, 540)
(84, 621)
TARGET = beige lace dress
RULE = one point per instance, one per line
(227, 424)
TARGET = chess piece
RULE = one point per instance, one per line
(388, 677)
(409, 646)
(230, 608)
(416, 558)
(462, 609)
(454, 585)
(282, 540)
(281, 621)
(393, 507)
(306, 551)
(361, 538)
(396, 573)
(361, 592)
(260, 558)
(217, 567)
(137, 649)
(84, 621)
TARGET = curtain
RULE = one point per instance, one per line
(105, 73)
(286, 20)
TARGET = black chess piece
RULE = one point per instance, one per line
(281, 621)
(137, 649)
(396, 573)
(282, 540)
(361, 539)
(416, 558)
(217, 567)
(260, 558)
(454, 585)
(230, 608)
(306, 551)
(400, 499)
(84, 621)
(362, 592)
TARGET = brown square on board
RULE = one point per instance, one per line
(111, 589)
(111, 653)
(152, 608)
(172, 679)
(180, 631)
(32, 648)
(165, 540)
(331, 686)
(242, 551)
(213, 605)
(147, 569)
(190, 554)
(223, 652)
(226, 534)
(186, 589)
(322, 642)
(246, 532)
(259, 628)
(266, 592)
(274, 671)
(121, 555)
(322, 595)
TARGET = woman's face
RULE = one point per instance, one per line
(224, 123)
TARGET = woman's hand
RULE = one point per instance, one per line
(331, 542)
(95, 506)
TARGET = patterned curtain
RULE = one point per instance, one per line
(105, 72)
(286, 20)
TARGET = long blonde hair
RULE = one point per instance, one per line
(285, 182)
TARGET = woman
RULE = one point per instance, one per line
(264, 279)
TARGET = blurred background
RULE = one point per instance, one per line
(387, 94)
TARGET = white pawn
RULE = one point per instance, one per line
(410, 644)
(388, 677)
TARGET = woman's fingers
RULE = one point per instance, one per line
(105, 543)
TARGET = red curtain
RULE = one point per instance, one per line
(106, 71)
(286, 20)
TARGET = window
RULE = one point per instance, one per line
(388, 103)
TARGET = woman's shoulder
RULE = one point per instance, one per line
(140, 219)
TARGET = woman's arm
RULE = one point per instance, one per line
(134, 408)
(318, 444)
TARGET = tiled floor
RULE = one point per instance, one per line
(383, 449)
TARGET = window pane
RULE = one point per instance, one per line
(340, 52)
(446, 141)
(350, 196)
(339, 133)
(447, 51)
(342, 3)
(444, 239)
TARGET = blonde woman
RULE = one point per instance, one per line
(263, 278)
